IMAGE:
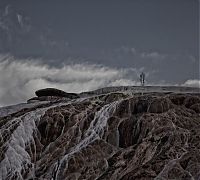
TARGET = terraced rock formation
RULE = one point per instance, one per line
(114, 135)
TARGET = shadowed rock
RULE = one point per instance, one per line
(55, 92)
(160, 105)
(196, 107)
(191, 100)
(46, 98)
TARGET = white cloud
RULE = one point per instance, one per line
(20, 79)
(192, 83)
(8, 10)
(124, 82)
(20, 20)
(126, 49)
(153, 55)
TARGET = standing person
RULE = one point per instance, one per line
(142, 78)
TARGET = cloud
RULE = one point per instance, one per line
(20, 20)
(153, 55)
(124, 82)
(141, 54)
(192, 83)
(8, 10)
(126, 49)
(20, 79)
(192, 58)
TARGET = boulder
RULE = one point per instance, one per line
(55, 92)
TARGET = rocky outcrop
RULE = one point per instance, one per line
(108, 136)
(55, 92)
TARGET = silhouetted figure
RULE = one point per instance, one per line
(142, 79)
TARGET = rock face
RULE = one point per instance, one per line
(108, 136)
(55, 92)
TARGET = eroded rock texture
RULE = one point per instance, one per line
(107, 136)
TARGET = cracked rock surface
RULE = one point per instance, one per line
(114, 135)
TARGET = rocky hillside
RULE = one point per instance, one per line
(106, 134)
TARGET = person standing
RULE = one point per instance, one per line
(142, 79)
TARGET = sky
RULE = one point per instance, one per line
(79, 45)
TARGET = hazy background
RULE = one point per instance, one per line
(83, 45)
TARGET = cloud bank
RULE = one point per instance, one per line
(20, 79)
(192, 83)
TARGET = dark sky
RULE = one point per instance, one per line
(159, 36)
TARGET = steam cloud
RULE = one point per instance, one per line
(20, 79)
(192, 83)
